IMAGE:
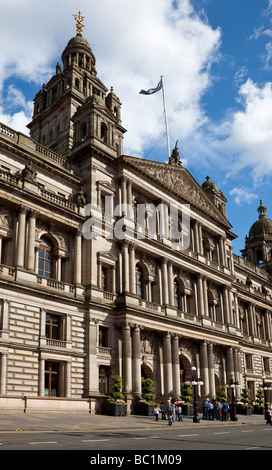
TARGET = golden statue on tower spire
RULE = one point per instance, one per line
(79, 26)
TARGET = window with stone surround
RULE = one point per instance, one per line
(104, 374)
(45, 259)
(52, 379)
(53, 326)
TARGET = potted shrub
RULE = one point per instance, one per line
(246, 406)
(259, 406)
(146, 405)
(221, 394)
(186, 398)
(115, 406)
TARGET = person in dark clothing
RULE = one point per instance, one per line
(224, 410)
(163, 411)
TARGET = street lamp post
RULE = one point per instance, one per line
(195, 381)
(231, 384)
(265, 387)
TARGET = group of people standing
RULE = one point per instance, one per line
(169, 409)
(215, 410)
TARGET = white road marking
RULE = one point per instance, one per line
(95, 440)
(40, 442)
(187, 435)
(222, 432)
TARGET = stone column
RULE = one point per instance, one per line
(204, 367)
(21, 237)
(136, 362)
(78, 258)
(231, 297)
(205, 297)
(251, 318)
(67, 379)
(132, 279)
(31, 240)
(230, 363)
(165, 295)
(130, 211)
(67, 334)
(3, 373)
(126, 359)
(226, 305)
(211, 370)
(170, 283)
(124, 196)
(196, 237)
(222, 251)
(167, 365)
(268, 325)
(58, 267)
(125, 270)
(200, 300)
(5, 315)
(41, 377)
(200, 239)
(176, 367)
(92, 367)
(237, 371)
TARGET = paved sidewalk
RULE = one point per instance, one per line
(64, 421)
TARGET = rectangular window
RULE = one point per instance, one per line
(105, 279)
(104, 373)
(51, 379)
(52, 326)
(266, 364)
(103, 337)
(249, 361)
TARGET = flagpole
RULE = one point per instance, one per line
(165, 115)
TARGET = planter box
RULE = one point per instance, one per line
(143, 409)
(187, 410)
(114, 409)
(244, 410)
(259, 410)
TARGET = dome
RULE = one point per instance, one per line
(209, 185)
(263, 225)
(78, 44)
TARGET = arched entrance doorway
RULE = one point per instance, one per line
(147, 373)
(185, 368)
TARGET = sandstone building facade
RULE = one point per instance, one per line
(79, 304)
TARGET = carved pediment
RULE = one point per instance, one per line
(179, 180)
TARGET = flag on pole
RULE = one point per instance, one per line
(152, 90)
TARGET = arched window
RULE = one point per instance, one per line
(139, 282)
(176, 294)
(104, 132)
(45, 258)
(82, 131)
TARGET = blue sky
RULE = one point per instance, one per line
(216, 60)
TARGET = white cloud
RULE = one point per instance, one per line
(242, 195)
(249, 131)
(134, 43)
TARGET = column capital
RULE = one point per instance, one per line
(23, 209)
(34, 213)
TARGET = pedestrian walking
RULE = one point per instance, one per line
(157, 412)
(216, 410)
(210, 411)
(163, 411)
(179, 412)
(224, 410)
(269, 417)
(205, 409)
(170, 412)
